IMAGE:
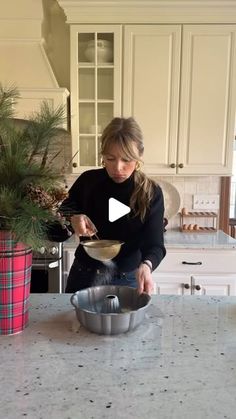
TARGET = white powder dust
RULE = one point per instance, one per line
(105, 277)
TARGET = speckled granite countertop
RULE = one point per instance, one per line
(177, 239)
(180, 363)
(217, 240)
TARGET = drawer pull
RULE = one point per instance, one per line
(191, 263)
(186, 286)
(197, 287)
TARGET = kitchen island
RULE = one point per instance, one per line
(179, 363)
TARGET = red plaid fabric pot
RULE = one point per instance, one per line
(15, 276)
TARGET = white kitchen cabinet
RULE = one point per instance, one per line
(185, 272)
(151, 90)
(214, 284)
(207, 99)
(207, 271)
(95, 88)
(68, 259)
(179, 82)
(196, 284)
(187, 130)
(178, 63)
(172, 285)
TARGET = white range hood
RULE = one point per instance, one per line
(24, 62)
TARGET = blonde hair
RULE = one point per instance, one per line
(125, 132)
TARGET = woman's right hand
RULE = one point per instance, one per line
(82, 225)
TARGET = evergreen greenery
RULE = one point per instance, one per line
(30, 186)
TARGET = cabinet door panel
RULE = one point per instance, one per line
(171, 284)
(95, 88)
(151, 90)
(208, 98)
(214, 285)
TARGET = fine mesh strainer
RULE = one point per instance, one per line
(103, 250)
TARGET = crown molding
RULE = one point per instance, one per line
(158, 3)
(149, 11)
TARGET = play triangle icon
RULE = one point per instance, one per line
(116, 210)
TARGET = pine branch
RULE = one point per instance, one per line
(42, 130)
(28, 195)
(8, 98)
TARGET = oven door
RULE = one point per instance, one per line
(46, 276)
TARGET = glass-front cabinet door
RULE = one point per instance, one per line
(95, 89)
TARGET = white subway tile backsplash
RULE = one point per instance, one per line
(187, 187)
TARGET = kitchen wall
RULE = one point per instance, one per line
(48, 21)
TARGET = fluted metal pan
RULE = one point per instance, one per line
(110, 310)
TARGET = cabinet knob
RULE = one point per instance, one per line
(74, 164)
(186, 286)
(172, 165)
(181, 165)
(197, 287)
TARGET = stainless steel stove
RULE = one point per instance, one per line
(47, 269)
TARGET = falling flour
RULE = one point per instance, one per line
(105, 277)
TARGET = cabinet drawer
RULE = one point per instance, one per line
(220, 261)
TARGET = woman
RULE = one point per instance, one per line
(141, 230)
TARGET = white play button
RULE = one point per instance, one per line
(117, 209)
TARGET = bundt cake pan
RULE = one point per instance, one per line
(110, 310)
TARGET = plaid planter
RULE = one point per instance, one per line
(15, 276)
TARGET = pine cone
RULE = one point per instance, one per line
(59, 194)
(39, 196)
(50, 199)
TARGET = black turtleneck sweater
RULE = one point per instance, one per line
(90, 194)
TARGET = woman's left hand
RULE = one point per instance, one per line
(144, 279)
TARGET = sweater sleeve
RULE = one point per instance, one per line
(152, 247)
(77, 202)
(70, 206)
